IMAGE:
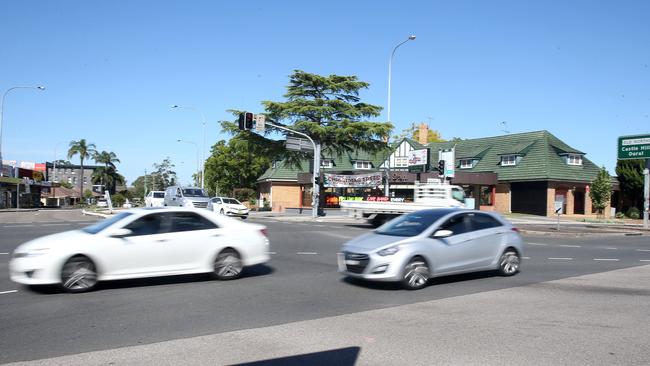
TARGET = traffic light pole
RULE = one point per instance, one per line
(315, 189)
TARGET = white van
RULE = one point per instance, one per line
(186, 197)
(155, 199)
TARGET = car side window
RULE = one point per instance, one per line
(178, 192)
(459, 224)
(189, 221)
(483, 221)
(148, 225)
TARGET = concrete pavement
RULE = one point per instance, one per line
(586, 320)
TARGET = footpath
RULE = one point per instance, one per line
(587, 320)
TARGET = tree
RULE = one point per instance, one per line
(85, 151)
(108, 176)
(630, 177)
(235, 164)
(163, 175)
(108, 159)
(601, 191)
(62, 162)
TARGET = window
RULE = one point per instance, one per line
(148, 225)
(85, 180)
(458, 194)
(412, 224)
(574, 159)
(483, 221)
(189, 221)
(460, 224)
(193, 192)
(103, 224)
(326, 163)
(158, 195)
(362, 165)
(70, 180)
(401, 162)
(466, 163)
(508, 160)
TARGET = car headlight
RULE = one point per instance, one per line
(388, 251)
(31, 252)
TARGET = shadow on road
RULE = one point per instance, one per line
(248, 272)
(392, 286)
(340, 357)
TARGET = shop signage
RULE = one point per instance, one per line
(359, 180)
(634, 147)
(419, 157)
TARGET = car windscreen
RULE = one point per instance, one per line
(158, 195)
(411, 224)
(231, 201)
(193, 192)
(101, 225)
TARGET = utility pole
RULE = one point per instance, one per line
(646, 193)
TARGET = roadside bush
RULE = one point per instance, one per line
(118, 200)
(243, 194)
(620, 215)
(633, 213)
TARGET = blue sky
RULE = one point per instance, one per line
(580, 69)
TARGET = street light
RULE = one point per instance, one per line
(203, 152)
(2, 108)
(197, 152)
(390, 72)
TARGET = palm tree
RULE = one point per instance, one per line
(85, 151)
(108, 176)
(108, 159)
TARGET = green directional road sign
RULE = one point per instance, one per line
(634, 147)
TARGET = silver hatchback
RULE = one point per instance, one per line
(418, 246)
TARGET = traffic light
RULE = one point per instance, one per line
(246, 121)
(441, 167)
(317, 179)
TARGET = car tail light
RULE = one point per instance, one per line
(264, 232)
(515, 229)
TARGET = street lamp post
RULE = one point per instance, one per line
(203, 150)
(197, 153)
(390, 72)
(2, 108)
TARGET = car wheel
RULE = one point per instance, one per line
(79, 274)
(244, 217)
(509, 263)
(221, 212)
(228, 265)
(416, 274)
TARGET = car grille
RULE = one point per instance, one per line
(200, 204)
(363, 260)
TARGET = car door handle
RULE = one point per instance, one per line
(162, 240)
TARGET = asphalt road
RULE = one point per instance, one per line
(300, 283)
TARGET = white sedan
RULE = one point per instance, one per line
(228, 206)
(141, 243)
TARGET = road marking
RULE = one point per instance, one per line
(606, 259)
(62, 224)
(562, 259)
(643, 250)
(8, 292)
(271, 253)
(611, 248)
(525, 257)
(320, 225)
(27, 225)
(644, 260)
(570, 246)
(541, 244)
(306, 253)
(4, 253)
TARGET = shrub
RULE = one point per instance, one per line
(620, 215)
(118, 200)
(633, 213)
(243, 194)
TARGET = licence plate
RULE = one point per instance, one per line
(352, 262)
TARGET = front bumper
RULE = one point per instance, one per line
(372, 267)
(33, 271)
(237, 213)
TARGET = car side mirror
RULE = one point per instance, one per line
(442, 233)
(120, 233)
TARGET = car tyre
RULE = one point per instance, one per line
(79, 274)
(416, 274)
(228, 265)
(221, 212)
(509, 263)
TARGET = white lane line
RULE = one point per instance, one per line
(271, 253)
(4, 253)
(570, 246)
(306, 253)
(644, 260)
(610, 248)
(320, 225)
(607, 259)
(8, 292)
(541, 244)
(561, 259)
(643, 250)
(525, 257)
(27, 225)
(62, 224)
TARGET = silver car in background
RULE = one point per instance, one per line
(415, 247)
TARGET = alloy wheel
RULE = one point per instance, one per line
(228, 265)
(416, 274)
(509, 263)
(78, 275)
